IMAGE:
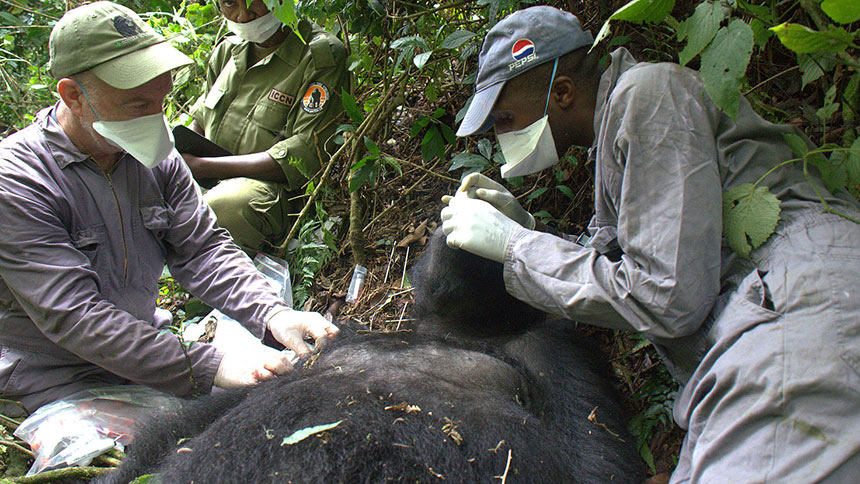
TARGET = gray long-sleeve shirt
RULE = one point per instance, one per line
(663, 155)
(81, 252)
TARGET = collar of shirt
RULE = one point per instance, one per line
(62, 149)
(290, 51)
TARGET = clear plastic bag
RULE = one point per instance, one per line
(74, 430)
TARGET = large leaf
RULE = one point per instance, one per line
(854, 163)
(351, 108)
(421, 59)
(804, 40)
(457, 39)
(411, 41)
(750, 215)
(842, 11)
(813, 66)
(724, 63)
(468, 160)
(637, 11)
(699, 29)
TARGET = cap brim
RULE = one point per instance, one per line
(141, 66)
(475, 120)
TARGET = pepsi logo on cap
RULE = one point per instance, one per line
(522, 48)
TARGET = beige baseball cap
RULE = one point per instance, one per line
(114, 43)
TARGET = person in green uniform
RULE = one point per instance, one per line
(272, 100)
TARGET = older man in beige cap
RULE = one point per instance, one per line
(94, 200)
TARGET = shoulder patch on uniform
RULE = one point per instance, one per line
(321, 52)
(315, 98)
(282, 97)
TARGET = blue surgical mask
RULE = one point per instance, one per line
(532, 148)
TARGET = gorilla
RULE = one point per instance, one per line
(483, 390)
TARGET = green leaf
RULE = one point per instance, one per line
(411, 41)
(421, 59)
(351, 108)
(724, 64)
(842, 11)
(829, 107)
(456, 39)
(835, 172)
(699, 29)
(760, 32)
(804, 40)
(812, 67)
(796, 143)
(485, 148)
(750, 215)
(468, 160)
(367, 172)
(9, 19)
(854, 163)
(432, 144)
(567, 191)
(540, 191)
(300, 435)
(637, 11)
(462, 112)
(371, 147)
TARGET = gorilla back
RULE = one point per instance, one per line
(481, 389)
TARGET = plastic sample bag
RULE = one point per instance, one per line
(74, 430)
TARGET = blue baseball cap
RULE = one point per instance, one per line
(521, 41)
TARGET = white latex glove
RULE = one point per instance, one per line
(248, 365)
(476, 185)
(290, 327)
(477, 227)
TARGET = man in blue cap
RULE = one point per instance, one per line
(767, 348)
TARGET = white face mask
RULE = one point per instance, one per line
(257, 30)
(528, 150)
(532, 148)
(147, 138)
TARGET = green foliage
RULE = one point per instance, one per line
(724, 64)
(657, 395)
(842, 11)
(725, 36)
(750, 215)
(805, 40)
(315, 247)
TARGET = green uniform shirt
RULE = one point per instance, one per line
(277, 104)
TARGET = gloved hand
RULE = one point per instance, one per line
(476, 185)
(248, 365)
(290, 327)
(477, 227)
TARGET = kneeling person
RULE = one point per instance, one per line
(271, 99)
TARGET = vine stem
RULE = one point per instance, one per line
(67, 473)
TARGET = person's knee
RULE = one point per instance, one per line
(233, 211)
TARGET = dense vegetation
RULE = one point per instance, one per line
(413, 66)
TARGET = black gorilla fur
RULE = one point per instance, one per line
(487, 377)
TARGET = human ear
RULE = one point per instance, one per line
(563, 92)
(72, 95)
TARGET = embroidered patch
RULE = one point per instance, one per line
(315, 98)
(282, 97)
